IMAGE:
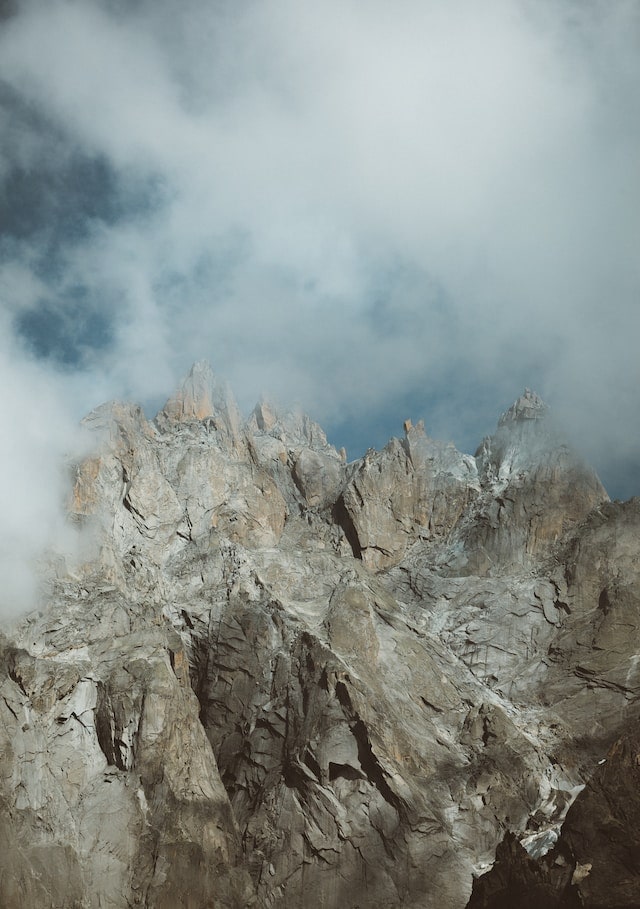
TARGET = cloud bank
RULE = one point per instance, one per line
(380, 211)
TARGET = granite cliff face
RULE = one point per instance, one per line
(285, 680)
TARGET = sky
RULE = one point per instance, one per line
(376, 211)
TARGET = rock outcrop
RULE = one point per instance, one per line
(413, 489)
(282, 680)
(596, 861)
(533, 490)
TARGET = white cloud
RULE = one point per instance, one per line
(39, 438)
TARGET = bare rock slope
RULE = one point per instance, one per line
(283, 680)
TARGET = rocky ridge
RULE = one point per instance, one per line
(286, 680)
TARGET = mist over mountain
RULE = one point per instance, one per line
(365, 212)
(369, 215)
(242, 665)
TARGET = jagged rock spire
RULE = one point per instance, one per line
(200, 395)
(203, 397)
(529, 406)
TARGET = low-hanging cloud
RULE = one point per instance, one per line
(365, 208)
(37, 445)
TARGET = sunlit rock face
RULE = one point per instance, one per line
(413, 489)
(285, 680)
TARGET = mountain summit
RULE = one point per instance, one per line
(529, 406)
(285, 680)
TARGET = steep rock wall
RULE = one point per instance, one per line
(281, 680)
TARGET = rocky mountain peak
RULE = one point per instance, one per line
(284, 680)
(201, 394)
(534, 488)
(203, 398)
(526, 439)
(265, 415)
(529, 406)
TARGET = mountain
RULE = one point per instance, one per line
(284, 680)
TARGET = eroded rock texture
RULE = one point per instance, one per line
(284, 680)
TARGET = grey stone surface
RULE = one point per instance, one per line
(413, 489)
(281, 680)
